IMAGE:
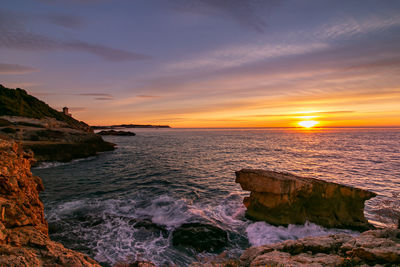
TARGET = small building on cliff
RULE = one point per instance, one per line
(65, 111)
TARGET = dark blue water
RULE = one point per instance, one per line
(171, 176)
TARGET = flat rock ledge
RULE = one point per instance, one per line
(24, 239)
(283, 198)
(371, 248)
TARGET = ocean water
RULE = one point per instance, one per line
(123, 205)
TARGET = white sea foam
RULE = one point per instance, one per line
(230, 212)
(53, 164)
(261, 233)
(118, 242)
(115, 239)
(166, 210)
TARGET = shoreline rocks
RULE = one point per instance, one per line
(200, 237)
(283, 198)
(50, 134)
(117, 133)
(368, 249)
(56, 143)
(24, 239)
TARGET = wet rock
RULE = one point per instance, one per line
(368, 249)
(136, 264)
(380, 246)
(24, 239)
(117, 133)
(86, 145)
(283, 198)
(200, 237)
(149, 226)
(221, 260)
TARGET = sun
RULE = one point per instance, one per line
(308, 124)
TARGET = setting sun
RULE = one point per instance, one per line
(308, 124)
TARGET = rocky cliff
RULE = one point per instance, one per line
(282, 199)
(24, 239)
(17, 102)
(50, 134)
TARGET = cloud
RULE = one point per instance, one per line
(107, 53)
(15, 69)
(35, 42)
(248, 13)
(13, 35)
(351, 27)
(67, 21)
(234, 56)
(148, 96)
(103, 98)
(97, 94)
(298, 114)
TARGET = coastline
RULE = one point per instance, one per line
(333, 250)
(24, 239)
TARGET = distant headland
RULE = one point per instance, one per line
(52, 135)
(129, 126)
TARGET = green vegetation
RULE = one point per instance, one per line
(17, 102)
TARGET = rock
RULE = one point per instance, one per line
(148, 225)
(4, 122)
(136, 264)
(63, 151)
(283, 198)
(277, 258)
(380, 246)
(50, 134)
(221, 260)
(200, 237)
(24, 239)
(368, 249)
(118, 133)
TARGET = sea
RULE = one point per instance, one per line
(123, 205)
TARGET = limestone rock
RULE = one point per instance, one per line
(380, 246)
(371, 248)
(283, 198)
(24, 239)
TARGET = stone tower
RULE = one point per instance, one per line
(65, 111)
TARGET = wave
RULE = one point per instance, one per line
(53, 164)
(262, 233)
(119, 230)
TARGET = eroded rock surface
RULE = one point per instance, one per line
(24, 239)
(371, 248)
(282, 199)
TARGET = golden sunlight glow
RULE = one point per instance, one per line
(308, 124)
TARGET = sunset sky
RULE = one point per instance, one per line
(207, 63)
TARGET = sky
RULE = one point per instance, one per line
(207, 63)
